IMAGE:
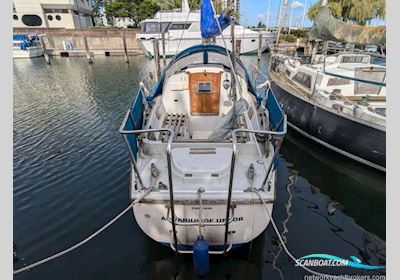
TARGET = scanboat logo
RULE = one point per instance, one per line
(330, 260)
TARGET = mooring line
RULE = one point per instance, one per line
(87, 239)
(284, 245)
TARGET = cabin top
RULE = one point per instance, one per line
(202, 55)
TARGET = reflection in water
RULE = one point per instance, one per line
(71, 174)
(359, 190)
(292, 180)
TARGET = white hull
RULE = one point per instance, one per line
(152, 219)
(28, 53)
(248, 45)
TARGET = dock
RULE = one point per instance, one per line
(87, 42)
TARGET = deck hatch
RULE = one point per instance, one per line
(204, 89)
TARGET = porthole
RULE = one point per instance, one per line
(31, 20)
(15, 17)
(50, 17)
(58, 17)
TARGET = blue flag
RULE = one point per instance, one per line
(208, 23)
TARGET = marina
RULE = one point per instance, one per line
(80, 136)
(212, 164)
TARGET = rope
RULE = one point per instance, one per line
(87, 239)
(284, 245)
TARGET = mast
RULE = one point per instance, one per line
(291, 16)
(304, 14)
(282, 19)
(269, 8)
(233, 52)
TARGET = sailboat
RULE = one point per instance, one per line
(201, 144)
(338, 101)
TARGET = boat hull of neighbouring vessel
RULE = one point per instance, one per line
(28, 53)
(359, 141)
(248, 45)
(152, 219)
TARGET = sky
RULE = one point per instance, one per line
(253, 11)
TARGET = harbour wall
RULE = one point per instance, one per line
(71, 42)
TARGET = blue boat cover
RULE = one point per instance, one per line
(19, 37)
(208, 24)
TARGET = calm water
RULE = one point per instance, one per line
(71, 174)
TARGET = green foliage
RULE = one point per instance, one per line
(96, 4)
(136, 10)
(261, 25)
(121, 8)
(358, 11)
(147, 9)
(177, 4)
(289, 38)
(299, 33)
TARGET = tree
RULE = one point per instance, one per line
(177, 4)
(96, 4)
(261, 25)
(136, 10)
(147, 9)
(358, 11)
(122, 8)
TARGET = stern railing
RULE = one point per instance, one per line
(169, 143)
(278, 137)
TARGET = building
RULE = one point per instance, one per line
(123, 22)
(226, 3)
(71, 14)
(120, 22)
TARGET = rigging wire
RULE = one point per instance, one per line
(240, 89)
(183, 31)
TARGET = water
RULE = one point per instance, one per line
(71, 174)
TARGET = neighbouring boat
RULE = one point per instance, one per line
(203, 141)
(182, 30)
(338, 101)
(26, 46)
